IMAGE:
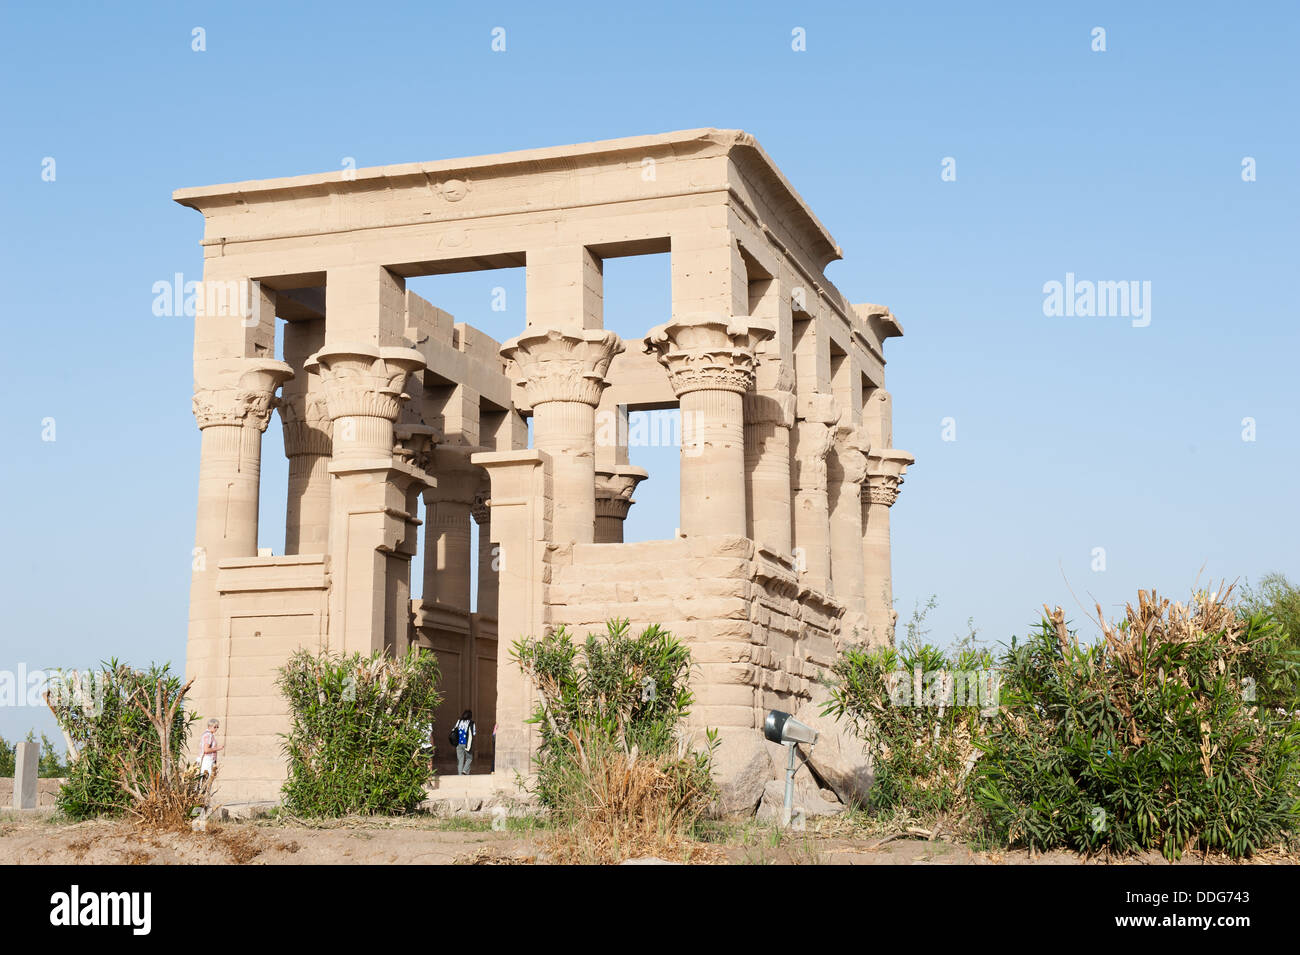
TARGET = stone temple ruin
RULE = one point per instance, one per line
(788, 470)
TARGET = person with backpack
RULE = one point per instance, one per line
(462, 737)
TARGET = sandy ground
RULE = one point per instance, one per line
(40, 838)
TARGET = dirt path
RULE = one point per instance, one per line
(38, 841)
(39, 838)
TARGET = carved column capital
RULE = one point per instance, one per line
(248, 399)
(614, 489)
(851, 446)
(481, 509)
(308, 428)
(562, 364)
(709, 352)
(364, 381)
(416, 442)
(885, 470)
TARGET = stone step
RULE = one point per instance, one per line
(480, 784)
(475, 793)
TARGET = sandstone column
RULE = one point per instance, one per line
(414, 446)
(488, 592)
(710, 361)
(614, 488)
(885, 469)
(813, 434)
(521, 505)
(232, 421)
(846, 469)
(563, 373)
(368, 493)
(232, 413)
(307, 444)
(447, 560)
(769, 416)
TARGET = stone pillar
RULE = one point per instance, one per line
(307, 445)
(414, 445)
(368, 492)
(447, 560)
(814, 432)
(306, 424)
(488, 592)
(710, 361)
(614, 489)
(521, 502)
(563, 374)
(769, 416)
(232, 421)
(26, 770)
(846, 469)
(885, 469)
(232, 412)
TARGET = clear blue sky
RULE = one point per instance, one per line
(1072, 433)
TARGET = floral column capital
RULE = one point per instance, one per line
(249, 398)
(705, 351)
(885, 470)
(562, 364)
(363, 380)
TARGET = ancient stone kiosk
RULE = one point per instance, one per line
(788, 472)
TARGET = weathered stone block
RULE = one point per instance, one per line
(26, 764)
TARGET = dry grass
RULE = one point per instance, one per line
(490, 856)
(165, 795)
(621, 806)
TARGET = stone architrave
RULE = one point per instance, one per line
(563, 373)
(710, 360)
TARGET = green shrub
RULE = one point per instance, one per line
(120, 752)
(1278, 599)
(920, 711)
(51, 764)
(357, 727)
(613, 766)
(1178, 730)
(1276, 596)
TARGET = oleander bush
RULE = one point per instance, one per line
(128, 730)
(1179, 730)
(614, 767)
(357, 729)
(920, 711)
